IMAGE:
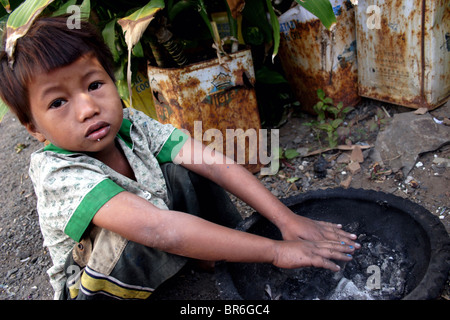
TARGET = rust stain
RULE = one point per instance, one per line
(180, 100)
(315, 58)
(400, 64)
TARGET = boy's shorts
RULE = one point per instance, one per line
(105, 265)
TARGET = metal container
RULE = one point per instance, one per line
(316, 58)
(142, 96)
(404, 51)
(209, 95)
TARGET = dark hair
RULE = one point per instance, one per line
(49, 44)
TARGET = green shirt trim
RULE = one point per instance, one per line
(124, 133)
(89, 206)
(172, 146)
(53, 148)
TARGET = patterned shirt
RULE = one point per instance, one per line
(72, 186)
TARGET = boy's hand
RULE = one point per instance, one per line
(302, 253)
(308, 229)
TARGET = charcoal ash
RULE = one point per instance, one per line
(378, 269)
(353, 282)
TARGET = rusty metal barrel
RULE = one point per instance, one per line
(404, 51)
(211, 97)
(314, 57)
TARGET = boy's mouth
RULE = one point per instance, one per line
(98, 130)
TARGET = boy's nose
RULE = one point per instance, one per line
(86, 107)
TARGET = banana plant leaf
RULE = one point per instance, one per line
(85, 9)
(276, 29)
(20, 21)
(134, 26)
(3, 109)
(322, 9)
(6, 5)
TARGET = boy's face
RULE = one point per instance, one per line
(76, 107)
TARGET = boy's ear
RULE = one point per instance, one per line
(31, 128)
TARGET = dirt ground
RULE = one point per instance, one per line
(24, 261)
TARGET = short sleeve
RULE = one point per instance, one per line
(69, 193)
(92, 201)
(164, 141)
(172, 146)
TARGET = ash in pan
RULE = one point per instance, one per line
(377, 272)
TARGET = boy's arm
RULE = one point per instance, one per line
(180, 233)
(237, 180)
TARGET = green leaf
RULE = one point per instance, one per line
(320, 94)
(328, 100)
(322, 9)
(3, 109)
(63, 9)
(85, 9)
(253, 11)
(266, 75)
(19, 21)
(348, 109)
(122, 88)
(109, 36)
(133, 27)
(325, 127)
(333, 110)
(292, 179)
(6, 5)
(336, 123)
(275, 29)
(291, 153)
(178, 8)
(201, 8)
(138, 51)
(332, 142)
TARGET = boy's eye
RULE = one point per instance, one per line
(95, 85)
(57, 103)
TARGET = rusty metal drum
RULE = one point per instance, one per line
(404, 51)
(314, 57)
(210, 95)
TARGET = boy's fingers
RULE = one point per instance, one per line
(321, 262)
(334, 250)
(336, 233)
(324, 251)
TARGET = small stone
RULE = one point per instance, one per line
(442, 161)
(421, 111)
(11, 272)
(357, 155)
(343, 158)
(346, 183)
(354, 167)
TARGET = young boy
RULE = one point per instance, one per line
(118, 193)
